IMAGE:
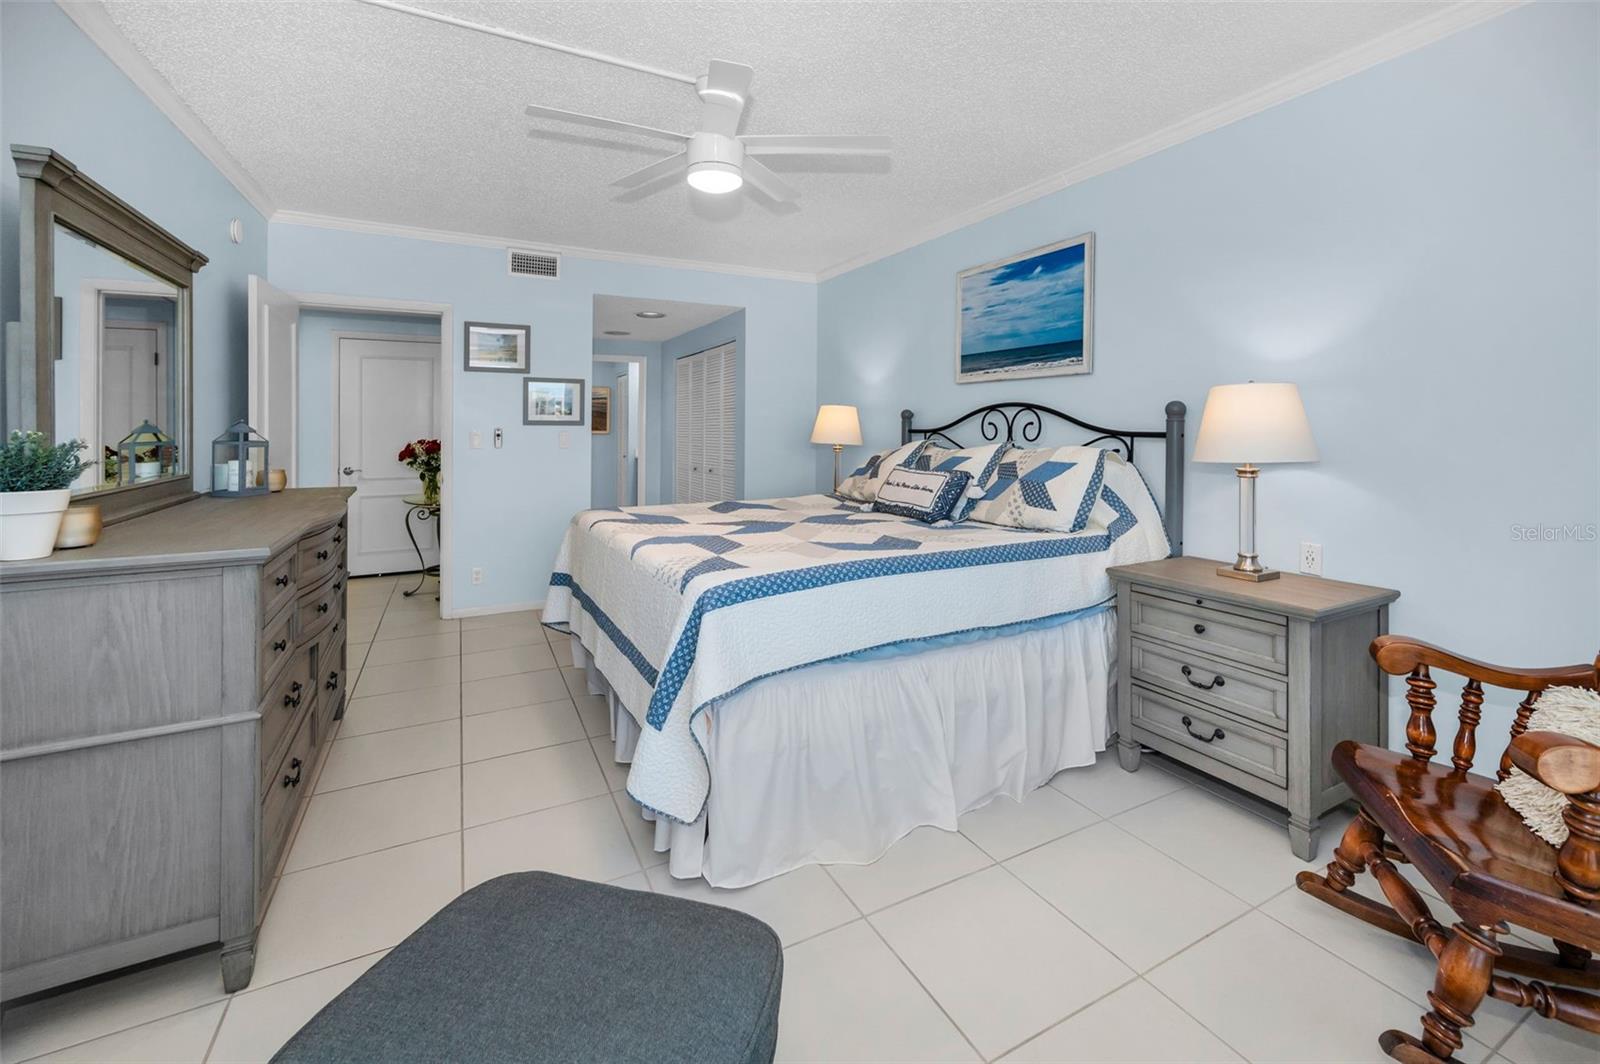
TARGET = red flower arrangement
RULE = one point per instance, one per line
(424, 457)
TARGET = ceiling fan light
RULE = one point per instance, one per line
(716, 178)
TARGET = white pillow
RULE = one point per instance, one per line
(1573, 711)
(1052, 489)
(863, 485)
(983, 463)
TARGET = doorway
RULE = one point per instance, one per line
(618, 440)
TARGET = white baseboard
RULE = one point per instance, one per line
(486, 611)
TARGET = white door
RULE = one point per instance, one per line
(132, 386)
(706, 434)
(386, 399)
(620, 418)
(274, 373)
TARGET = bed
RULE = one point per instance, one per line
(798, 680)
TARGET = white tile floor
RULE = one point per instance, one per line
(1111, 917)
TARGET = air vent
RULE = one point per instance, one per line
(520, 262)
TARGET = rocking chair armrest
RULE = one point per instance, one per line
(1398, 655)
(1561, 762)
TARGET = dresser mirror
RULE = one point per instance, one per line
(105, 352)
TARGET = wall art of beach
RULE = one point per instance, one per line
(1025, 316)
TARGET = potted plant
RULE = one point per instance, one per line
(35, 487)
(425, 457)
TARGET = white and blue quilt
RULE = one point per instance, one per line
(683, 605)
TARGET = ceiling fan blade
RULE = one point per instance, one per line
(765, 181)
(537, 111)
(670, 165)
(731, 78)
(822, 144)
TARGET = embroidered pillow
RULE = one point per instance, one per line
(1573, 711)
(863, 484)
(983, 463)
(1051, 489)
(928, 495)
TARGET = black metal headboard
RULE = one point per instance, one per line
(1023, 422)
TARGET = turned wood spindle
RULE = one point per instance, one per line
(1578, 862)
(1520, 725)
(1420, 735)
(1466, 744)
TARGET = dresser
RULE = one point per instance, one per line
(1250, 683)
(166, 694)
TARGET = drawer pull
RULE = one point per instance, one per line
(322, 555)
(333, 680)
(322, 607)
(1216, 733)
(1199, 629)
(294, 696)
(280, 645)
(338, 539)
(294, 781)
(282, 581)
(337, 584)
(1216, 681)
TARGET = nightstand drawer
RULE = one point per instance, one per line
(1249, 640)
(1211, 681)
(1213, 735)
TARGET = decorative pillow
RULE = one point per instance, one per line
(863, 484)
(983, 463)
(926, 494)
(1052, 489)
(1573, 711)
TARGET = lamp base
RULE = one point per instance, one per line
(1254, 577)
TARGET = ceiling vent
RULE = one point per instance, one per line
(520, 262)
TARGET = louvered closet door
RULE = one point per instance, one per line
(706, 434)
(683, 433)
(721, 442)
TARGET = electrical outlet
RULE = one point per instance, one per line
(564, 440)
(1311, 558)
(477, 575)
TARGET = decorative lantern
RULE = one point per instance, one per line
(146, 453)
(239, 462)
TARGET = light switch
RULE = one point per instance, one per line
(499, 438)
(564, 441)
(475, 439)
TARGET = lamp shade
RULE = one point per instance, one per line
(1254, 424)
(837, 425)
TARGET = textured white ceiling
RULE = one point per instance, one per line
(621, 313)
(344, 109)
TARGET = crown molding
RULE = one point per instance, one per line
(448, 236)
(96, 23)
(1398, 42)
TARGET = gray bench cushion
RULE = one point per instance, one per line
(539, 967)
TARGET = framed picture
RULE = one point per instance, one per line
(1030, 315)
(600, 411)
(492, 348)
(552, 401)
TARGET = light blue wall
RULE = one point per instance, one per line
(315, 335)
(60, 91)
(603, 447)
(654, 372)
(510, 507)
(1415, 246)
(716, 334)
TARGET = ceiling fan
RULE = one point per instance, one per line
(717, 158)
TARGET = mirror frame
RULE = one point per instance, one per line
(54, 190)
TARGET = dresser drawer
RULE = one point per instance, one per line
(321, 606)
(1211, 682)
(275, 649)
(277, 582)
(281, 794)
(1211, 735)
(320, 553)
(284, 704)
(1232, 636)
(330, 677)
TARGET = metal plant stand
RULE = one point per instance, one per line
(422, 510)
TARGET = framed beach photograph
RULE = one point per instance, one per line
(600, 411)
(1030, 315)
(495, 348)
(552, 401)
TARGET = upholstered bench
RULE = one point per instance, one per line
(539, 967)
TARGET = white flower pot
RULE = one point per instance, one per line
(30, 521)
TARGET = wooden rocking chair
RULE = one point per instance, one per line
(1452, 826)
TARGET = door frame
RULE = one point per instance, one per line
(91, 322)
(444, 414)
(643, 362)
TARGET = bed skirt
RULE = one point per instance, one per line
(835, 762)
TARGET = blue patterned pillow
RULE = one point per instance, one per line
(929, 495)
(1053, 489)
(982, 462)
(863, 484)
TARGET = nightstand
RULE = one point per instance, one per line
(1250, 683)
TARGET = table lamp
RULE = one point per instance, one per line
(840, 426)
(1246, 424)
